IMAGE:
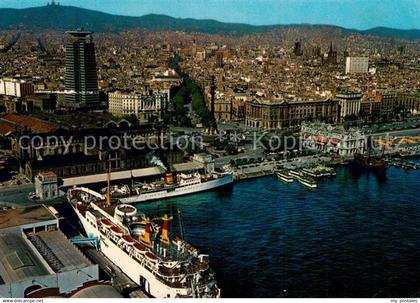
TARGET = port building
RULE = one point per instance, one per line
(323, 137)
(37, 260)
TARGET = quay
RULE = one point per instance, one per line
(254, 170)
(267, 168)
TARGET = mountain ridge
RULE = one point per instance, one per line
(71, 17)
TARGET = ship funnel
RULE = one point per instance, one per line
(145, 238)
(169, 178)
(164, 237)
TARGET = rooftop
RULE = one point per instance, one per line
(22, 122)
(117, 175)
(17, 261)
(58, 251)
(24, 216)
(187, 166)
(79, 33)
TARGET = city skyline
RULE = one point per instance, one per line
(355, 14)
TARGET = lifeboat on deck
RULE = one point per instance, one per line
(116, 230)
(105, 222)
(128, 239)
(140, 247)
(151, 257)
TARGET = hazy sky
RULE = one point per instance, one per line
(360, 14)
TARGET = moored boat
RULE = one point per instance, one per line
(284, 176)
(183, 184)
(319, 171)
(308, 182)
(368, 163)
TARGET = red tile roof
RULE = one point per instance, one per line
(6, 127)
(21, 121)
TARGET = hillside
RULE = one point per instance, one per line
(69, 17)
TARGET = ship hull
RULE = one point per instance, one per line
(180, 191)
(130, 267)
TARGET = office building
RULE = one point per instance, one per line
(329, 138)
(357, 65)
(81, 80)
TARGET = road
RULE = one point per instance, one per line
(402, 132)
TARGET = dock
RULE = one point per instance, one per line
(254, 170)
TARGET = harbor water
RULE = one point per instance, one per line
(354, 236)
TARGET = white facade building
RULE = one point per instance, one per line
(349, 104)
(16, 87)
(46, 185)
(357, 65)
(333, 139)
(144, 106)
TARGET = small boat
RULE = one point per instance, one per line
(284, 176)
(294, 174)
(319, 172)
(308, 182)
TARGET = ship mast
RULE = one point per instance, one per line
(108, 188)
(132, 181)
(181, 227)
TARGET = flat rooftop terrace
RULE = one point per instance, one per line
(17, 261)
(25, 216)
(60, 254)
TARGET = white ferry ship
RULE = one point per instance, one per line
(144, 250)
(185, 184)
